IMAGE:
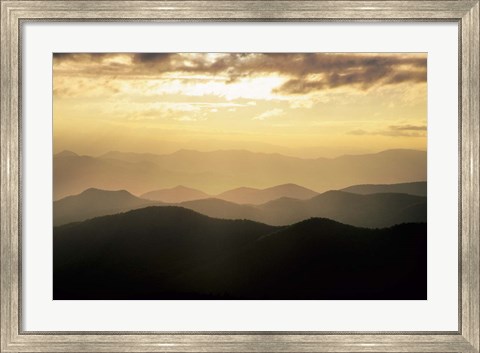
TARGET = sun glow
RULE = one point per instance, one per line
(324, 104)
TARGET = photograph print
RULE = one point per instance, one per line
(239, 176)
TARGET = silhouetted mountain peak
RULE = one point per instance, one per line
(245, 195)
(170, 216)
(418, 188)
(287, 185)
(173, 253)
(311, 228)
(400, 150)
(95, 192)
(216, 171)
(176, 194)
(335, 194)
(290, 187)
(152, 212)
(94, 202)
(66, 153)
(280, 201)
(319, 223)
(210, 200)
(241, 189)
(182, 188)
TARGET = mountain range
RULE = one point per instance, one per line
(216, 171)
(94, 203)
(239, 225)
(241, 195)
(371, 210)
(175, 253)
(177, 194)
(418, 188)
(254, 196)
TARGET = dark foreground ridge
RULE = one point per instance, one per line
(176, 253)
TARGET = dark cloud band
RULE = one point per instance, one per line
(395, 131)
(304, 72)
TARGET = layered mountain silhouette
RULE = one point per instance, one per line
(175, 195)
(418, 188)
(243, 195)
(175, 253)
(93, 203)
(352, 227)
(254, 196)
(218, 208)
(372, 211)
(214, 172)
(73, 174)
(66, 154)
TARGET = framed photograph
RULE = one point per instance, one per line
(240, 176)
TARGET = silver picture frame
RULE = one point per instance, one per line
(14, 13)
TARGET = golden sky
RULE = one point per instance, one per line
(306, 104)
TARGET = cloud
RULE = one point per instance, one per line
(269, 114)
(394, 131)
(408, 127)
(179, 111)
(153, 57)
(361, 73)
(303, 72)
(82, 57)
(188, 119)
(358, 132)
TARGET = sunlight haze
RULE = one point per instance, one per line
(302, 105)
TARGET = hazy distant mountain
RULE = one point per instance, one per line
(66, 154)
(93, 203)
(217, 208)
(254, 196)
(242, 195)
(72, 174)
(175, 195)
(372, 211)
(416, 188)
(175, 253)
(214, 172)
